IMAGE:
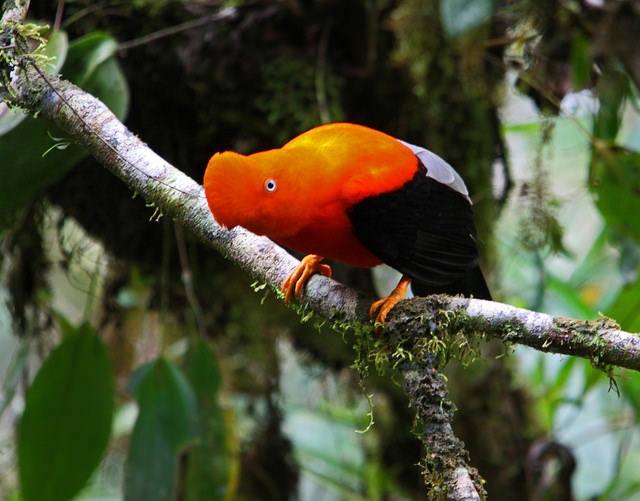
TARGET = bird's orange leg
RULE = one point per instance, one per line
(296, 281)
(386, 304)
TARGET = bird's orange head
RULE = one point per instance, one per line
(257, 192)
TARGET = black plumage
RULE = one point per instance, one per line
(425, 230)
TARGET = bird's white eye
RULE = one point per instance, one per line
(270, 185)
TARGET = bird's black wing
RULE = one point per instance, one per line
(425, 230)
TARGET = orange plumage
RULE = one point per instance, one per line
(318, 176)
(307, 196)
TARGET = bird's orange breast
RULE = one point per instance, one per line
(330, 235)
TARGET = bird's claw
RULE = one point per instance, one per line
(386, 304)
(294, 284)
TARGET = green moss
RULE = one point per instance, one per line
(584, 335)
(16, 39)
(435, 483)
(258, 286)
(451, 335)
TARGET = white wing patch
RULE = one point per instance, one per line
(438, 169)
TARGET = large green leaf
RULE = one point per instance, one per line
(214, 460)
(26, 170)
(67, 418)
(166, 424)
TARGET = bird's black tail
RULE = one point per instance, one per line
(470, 284)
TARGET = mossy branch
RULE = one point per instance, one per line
(89, 122)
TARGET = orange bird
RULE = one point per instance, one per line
(353, 194)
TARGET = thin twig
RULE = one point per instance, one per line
(57, 22)
(223, 14)
(321, 74)
(187, 277)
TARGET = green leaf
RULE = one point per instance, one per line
(25, 172)
(630, 386)
(626, 308)
(570, 295)
(460, 16)
(580, 61)
(615, 180)
(67, 418)
(86, 54)
(201, 368)
(613, 87)
(10, 118)
(166, 424)
(214, 460)
(108, 82)
(57, 48)
(92, 65)
(557, 387)
(591, 265)
(591, 378)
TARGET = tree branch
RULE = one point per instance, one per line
(446, 470)
(14, 10)
(601, 341)
(92, 125)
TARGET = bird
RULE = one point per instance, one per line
(350, 193)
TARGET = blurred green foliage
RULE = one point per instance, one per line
(89, 62)
(234, 399)
(166, 424)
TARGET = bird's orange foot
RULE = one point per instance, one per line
(386, 304)
(296, 281)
